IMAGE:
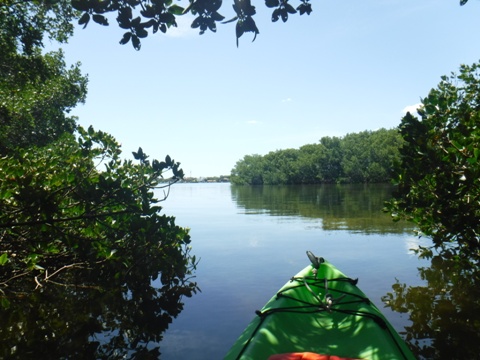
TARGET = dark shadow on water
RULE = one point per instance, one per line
(445, 313)
(86, 323)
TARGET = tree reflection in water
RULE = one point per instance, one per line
(445, 314)
(87, 323)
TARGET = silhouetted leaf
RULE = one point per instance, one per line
(141, 33)
(139, 155)
(167, 18)
(196, 22)
(136, 21)
(217, 17)
(150, 23)
(275, 15)
(80, 5)
(272, 3)
(246, 25)
(305, 8)
(126, 38)
(136, 42)
(84, 20)
(100, 19)
(290, 8)
(239, 30)
(231, 20)
(211, 25)
(123, 20)
(148, 12)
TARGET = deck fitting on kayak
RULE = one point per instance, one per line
(318, 310)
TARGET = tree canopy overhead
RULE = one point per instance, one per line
(29, 20)
(137, 17)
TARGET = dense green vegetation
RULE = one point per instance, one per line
(89, 265)
(438, 178)
(438, 189)
(365, 157)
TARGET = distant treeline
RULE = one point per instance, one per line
(364, 157)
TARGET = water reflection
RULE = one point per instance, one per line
(87, 323)
(445, 313)
(356, 207)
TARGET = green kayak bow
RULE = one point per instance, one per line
(319, 314)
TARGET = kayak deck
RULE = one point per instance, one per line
(322, 312)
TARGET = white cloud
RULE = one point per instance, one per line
(287, 100)
(412, 108)
(253, 122)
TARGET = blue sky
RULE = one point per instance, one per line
(348, 67)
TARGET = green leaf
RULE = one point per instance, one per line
(176, 10)
(3, 259)
(4, 302)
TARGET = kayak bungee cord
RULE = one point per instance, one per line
(328, 304)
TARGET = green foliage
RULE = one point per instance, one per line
(25, 23)
(369, 156)
(36, 90)
(84, 248)
(248, 171)
(82, 225)
(36, 94)
(58, 213)
(357, 158)
(439, 174)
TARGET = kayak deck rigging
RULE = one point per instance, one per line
(323, 311)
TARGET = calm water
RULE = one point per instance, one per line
(251, 240)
